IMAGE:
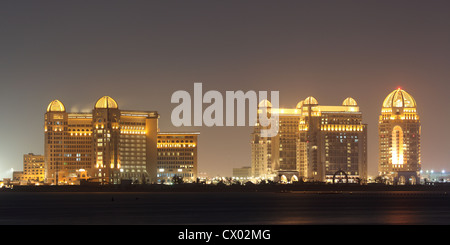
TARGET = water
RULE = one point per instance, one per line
(234, 208)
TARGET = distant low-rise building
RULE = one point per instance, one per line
(33, 170)
(17, 176)
(33, 167)
(242, 173)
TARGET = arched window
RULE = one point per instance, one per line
(397, 147)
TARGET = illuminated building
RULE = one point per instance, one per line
(33, 169)
(138, 150)
(104, 146)
(17, 176)
(399, 139)
(332, 145)
(177, 156)
(314, 143)
(261, 147)
(68, 143)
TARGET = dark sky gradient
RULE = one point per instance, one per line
(140, 52)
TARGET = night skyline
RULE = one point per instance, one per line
(141, 52)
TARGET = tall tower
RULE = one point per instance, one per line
(106, 122)
(399, 139)
(68, 144)
(55, 134)
(261, 162)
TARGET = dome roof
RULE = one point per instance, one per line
(299, 104)
(106, 102)
(399, 98)
(265, 103)
(56, 105)
(349, 101)
(310, 101)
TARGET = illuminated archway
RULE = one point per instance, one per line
(294, 178)
(402, 180)
(412, 180)
(339, 174)
(283, 179)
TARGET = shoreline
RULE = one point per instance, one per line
(282, 188)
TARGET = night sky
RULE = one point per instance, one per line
(140, 52)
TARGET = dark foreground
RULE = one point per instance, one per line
(291, 207)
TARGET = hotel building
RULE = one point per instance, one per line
(399, 139)
(177, 156)
(68, 144)
(107, 145)
(314, 143)
(262, 154)
(273, 157)
(332, 142)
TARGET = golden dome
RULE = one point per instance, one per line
(310, 101)
(349, 101)
(106, 102)
(56, 106)
(399, 98)
(265, 103)
(299, 105)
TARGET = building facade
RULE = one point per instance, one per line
(33, 169)
(177, 156)
(272, 155)
(314, 143)
(332, 146)
(399, 131)
(105, 146)
(68, 144)
(261, 155)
